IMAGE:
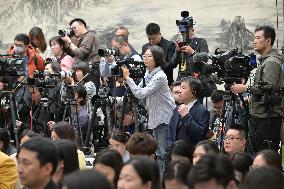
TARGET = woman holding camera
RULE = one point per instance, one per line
(159, 100)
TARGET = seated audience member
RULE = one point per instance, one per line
(175, 88)
(22, 48)
(142, 144)
(212, 171)
(190, 120)
(8, 172)
(267, 158)
(38, 42)
(5, 145)
(202, 148)
(242, 162)
(264, 178)
(60, 53)
(27, 135)
(86, 179)
(181, 151)
(140, 173)
(109, 163)
(117, 141)
(63, 130)
(175, 174)
(37, 162)
(235, 139)
(68, 160)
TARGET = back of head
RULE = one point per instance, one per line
(152, 29)
(147, 170)
(217, 96)
(211, 166)
(67, 152)
(264, 178)
(110, 158)
(209, 146)
(86, 179)
(45, 149)
(142, 144)
(177, 170)
(4, 139)
(271, 158)
(182, 148)
(119, 135)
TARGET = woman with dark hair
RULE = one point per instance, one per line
(63, 130)
(160, 101)
(117, 141)
(109, 163)
(86, 179)
(242, 162)
(175, 174)
(181, 151)
(203, 147)
(267, 158)
(37, 40)
(68, 160)
(5, 145)
(139, 173)
(60, 52)
(82, 69)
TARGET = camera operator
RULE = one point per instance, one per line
(194, 45)
(33, 60)
(155, 38)
(125, 52)
(264, 125)
(85, 49)
(159, 100)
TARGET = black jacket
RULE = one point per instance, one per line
(169, 50)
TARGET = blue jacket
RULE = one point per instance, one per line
(193, 127)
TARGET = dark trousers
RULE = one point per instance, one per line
(264, 133)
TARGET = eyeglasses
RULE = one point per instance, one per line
(147, 56)
(230, 139)
(114, 146)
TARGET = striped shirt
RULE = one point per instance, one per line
(160, 102)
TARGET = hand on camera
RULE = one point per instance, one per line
(66, 39)
(125, 72)
(187, 49)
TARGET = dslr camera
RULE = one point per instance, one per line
(67, 31)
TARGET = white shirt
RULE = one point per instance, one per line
(190, 104)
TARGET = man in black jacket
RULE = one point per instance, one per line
(155, 38)
(186, 52)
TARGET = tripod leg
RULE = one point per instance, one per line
(14, 116)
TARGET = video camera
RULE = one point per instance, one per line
(136, 69)
(45, 79)
(108, 52)
(231, 66)
(67, 31)
(10, 70)
(183, 26)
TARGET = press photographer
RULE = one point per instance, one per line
(85, 49)
(160, 102)
(265, 120)
(189, 45)
(121, 51)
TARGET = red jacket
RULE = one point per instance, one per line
(36, 62)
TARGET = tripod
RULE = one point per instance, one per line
(100, 128)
